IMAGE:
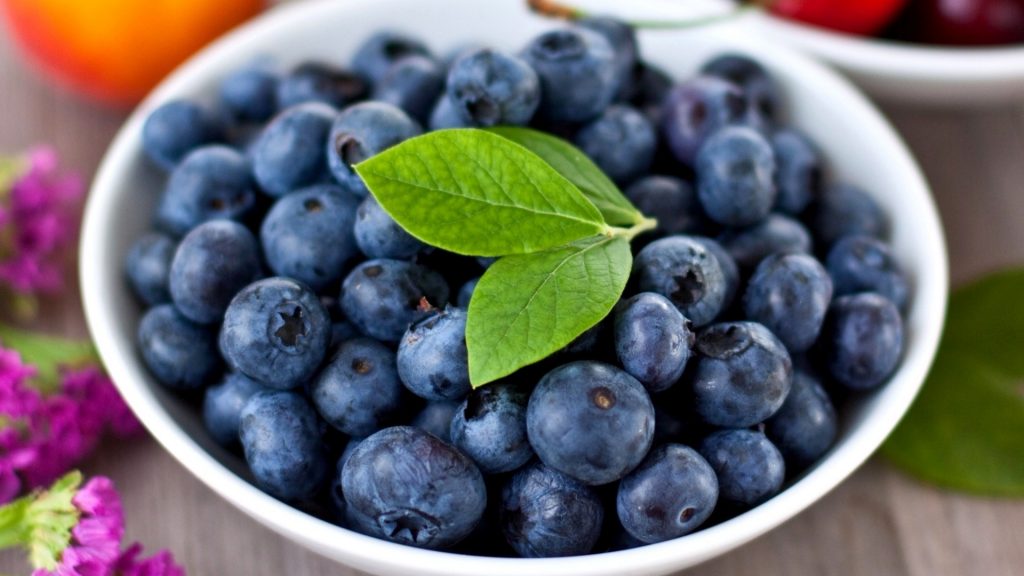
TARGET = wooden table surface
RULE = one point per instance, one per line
(878, 523)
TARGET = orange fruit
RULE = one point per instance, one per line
(117, 50)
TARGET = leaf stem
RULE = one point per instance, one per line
(642, 225)
(564, 11)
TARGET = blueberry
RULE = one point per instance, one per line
(591, 421)
(376, 55)
(670, 200)
(577, 73)
(320, 82)
(775, 234)
(648, 88)
(432, 357)
(211, 183)
(288, 154)
(436, 418)
(863, 340)
(177, 128)
(412, 488)
(545, 514)
(180, 354)
(490, 427)
(276, 332)
(757, 85)
(384, 297)
(621, 141)
(212, 263)
(736, 177)
(652, 340)
(487, 88)
(671, 494)
(865, 264)
(595, 341)
(445, 115)
(789, 294)
(281, 439)
(798, 175)
(337, 490)
(806, 426)
(361, 131)
(379, 236)
(697, 108)
(147, 267)
(466, 293)
(358, 391)
(749, 467)
(413, 84)
(730, 271)
(844, 210)
(308, 235)
(622, 38)
(684, 271)
(742, 376)
(250, 93)
(223, 404)
(341, 331)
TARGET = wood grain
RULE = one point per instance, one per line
(878, 523)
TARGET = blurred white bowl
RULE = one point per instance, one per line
(861, 146)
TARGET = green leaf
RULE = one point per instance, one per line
(572, 163)
(964, 431)
(12, 523)
(47, 353)
(476, 193)
(527, 307)
(47, 521)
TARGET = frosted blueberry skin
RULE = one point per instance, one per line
(798, 177)
(407, 486)
(377, 53)
(211, 183)
(845, 210)
(379, 236)
(177, 128)
(730, 270)
(358, 391)
(749, 468)
(276, 331)
(319, 82)
(546, 514)
(806, 426)
(413, 84)
(775, 234)
(790, 294)
(361, 131)
(384, 297)
(591, 421)
(490, 427)
(445, 115)
(682, 269)
(742, 376)
(280, 437)
(432, 358)
(211, 264)
(862, 340)
(736, 176)
(621, 141)
(669, 495)
(223, 404)
(652, 340)
(308, 235)
(577, 74)
(622, 38)
(757, 85)
(695, 109)
(250, 94)
(669, 200)
(488, 88)
(436, 418)
(864, 264)
(179, 353)
(288, 155)
(148, 266)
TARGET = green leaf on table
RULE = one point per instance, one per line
(47, 353)
(966, 428)
(476, 193)
(572, 163)
(527, 307)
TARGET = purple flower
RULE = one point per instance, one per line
(160, 564)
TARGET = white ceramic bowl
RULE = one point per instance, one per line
(910, 73)
(860, 145)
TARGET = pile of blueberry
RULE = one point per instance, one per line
(328, 345)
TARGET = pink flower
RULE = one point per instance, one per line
(160, 564)
(101, 406)
(96, 539)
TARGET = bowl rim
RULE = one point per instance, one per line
(361, 551)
